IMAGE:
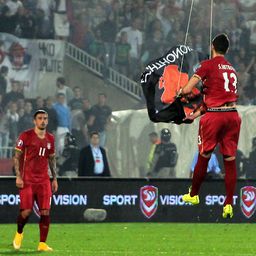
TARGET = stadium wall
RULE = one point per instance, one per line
(135, 200)
(128, 142)
(91, 85)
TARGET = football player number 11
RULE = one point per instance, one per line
(41, 151)
(229, 79)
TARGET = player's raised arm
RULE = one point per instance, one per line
(16, 160)
(52, 165)
(193, 81)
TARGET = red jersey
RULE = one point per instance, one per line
(219, 81)
(34, 160)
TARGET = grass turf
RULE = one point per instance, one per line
(121, 239)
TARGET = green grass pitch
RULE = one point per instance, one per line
(121, 239)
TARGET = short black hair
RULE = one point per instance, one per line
(94, 133)
(153, 134)
(4, 69)
(39, 111)
(221, 43)
(102, 94)
(61, 80)
(59, 94)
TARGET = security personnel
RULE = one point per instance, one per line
(165, 157)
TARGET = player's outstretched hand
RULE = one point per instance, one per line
(54, 186)
(188, 119)
(19, 182)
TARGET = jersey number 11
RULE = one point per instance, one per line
(41, 151)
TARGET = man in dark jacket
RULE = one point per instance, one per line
(165, 157)
(92, 159)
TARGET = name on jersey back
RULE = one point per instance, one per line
(228, 67)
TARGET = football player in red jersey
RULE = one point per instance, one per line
(220, 123)
(34, 152)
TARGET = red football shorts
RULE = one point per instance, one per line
(219, 128)
(41, 193)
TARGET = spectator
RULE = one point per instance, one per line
(122, 59)
(134, 36)
(102, 113)
(1, 104)
(46, 6)
(26, 121)
(7, 21)
(96, 46)
(13, 119)
(98, 15)
(89, 117)
(77, 101)
(61, 21)
(154, 140)
(213, 169)
(165, 157)
(64, 121)
(163, 14)
(20, 103)
(108, 32)
(4, 134)
(14, 95)
(3, 79)
(154, 47)
(198, 44)
(14, 6)
(26, 27)
(52, 115)
(63, 88)
(92, 159)
(126, 15)
(44, 29)
(39, 103)
(79, 129)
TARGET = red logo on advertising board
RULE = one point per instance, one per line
(148, 200)
(248, 200)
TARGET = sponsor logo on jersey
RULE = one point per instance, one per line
(248, 200)
(48, 145)
(148, 200)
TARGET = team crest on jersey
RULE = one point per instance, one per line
(20, 143)
(148, 200)
(248, 200)
(48, 145)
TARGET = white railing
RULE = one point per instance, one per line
(97, 67)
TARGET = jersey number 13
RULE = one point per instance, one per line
(230, 78)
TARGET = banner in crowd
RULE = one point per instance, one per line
(137, 200)
(31, 62)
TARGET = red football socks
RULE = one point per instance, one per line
(44, 227)
(21, 222)
(230, 180)
(199, 174)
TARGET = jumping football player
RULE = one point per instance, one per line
(34, 150)
(220, 123)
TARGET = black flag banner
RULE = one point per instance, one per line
(162, 79)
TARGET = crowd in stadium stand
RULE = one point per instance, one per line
(127, 34)
(70, 112)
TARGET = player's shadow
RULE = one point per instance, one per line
(13, 252)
